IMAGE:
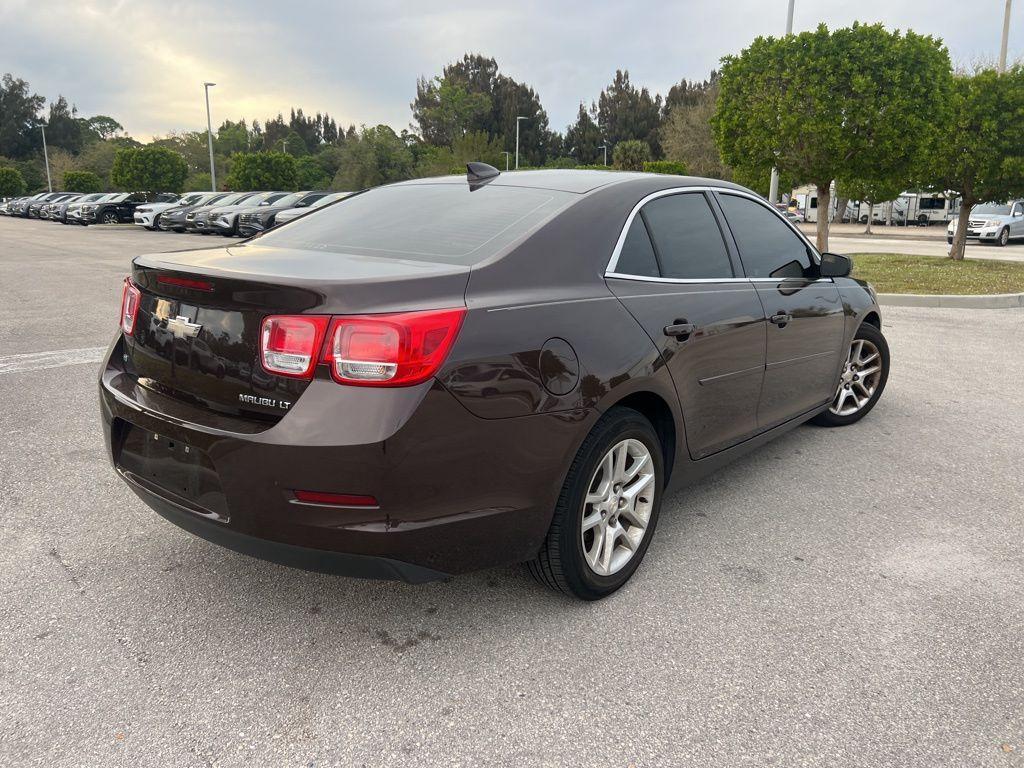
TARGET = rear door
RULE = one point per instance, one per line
(674, 272)
(804, 312)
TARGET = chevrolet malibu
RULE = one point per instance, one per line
(448, 374)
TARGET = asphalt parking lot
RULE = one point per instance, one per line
(845, 597)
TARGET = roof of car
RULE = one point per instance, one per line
(577, 181)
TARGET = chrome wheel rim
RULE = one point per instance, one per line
(859, 380)
(617, 509)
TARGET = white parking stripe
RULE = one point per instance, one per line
(38, 361)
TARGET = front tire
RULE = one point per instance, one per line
(862, 381)
(607, 510)
(1004, 237)
(110, 217)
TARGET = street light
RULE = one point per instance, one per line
(209, 136)
(1006, 37)
(46, 157)
(773, 187)
(605, 148)
(507, 156)
(518, 118)
(284, 145)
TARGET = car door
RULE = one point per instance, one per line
(675, 273)
(804, 312)
(1017, 219)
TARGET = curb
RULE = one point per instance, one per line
(992, 301)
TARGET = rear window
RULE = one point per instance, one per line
(423, 222)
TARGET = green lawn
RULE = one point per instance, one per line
(895, 273)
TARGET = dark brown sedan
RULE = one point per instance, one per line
(449, 374)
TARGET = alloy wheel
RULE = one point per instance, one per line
(617, 508)
(859, 380)
(110, 218)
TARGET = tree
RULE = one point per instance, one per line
(869, 191)
(151, 169)
(63, 127)
(82, 181)
(376, 156)
(101, 127)
(262, 171)
(857, 103)
(98, 157)
(309, 174)
(688, 93)
(625, 113)
(445, 110)
(232, 137)
(583, 139)
(980, 152)
(19, 120)
(12, 184)
(631, 155)
(687, 137)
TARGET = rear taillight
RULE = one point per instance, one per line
(391, 350)
(130, 298)
(289, 344)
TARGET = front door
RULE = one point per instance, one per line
(675, 275)
(804, 312)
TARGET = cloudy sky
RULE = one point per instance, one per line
(144, 62)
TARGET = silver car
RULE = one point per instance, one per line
(997, 223)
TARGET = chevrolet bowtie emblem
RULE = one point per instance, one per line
(182, 327)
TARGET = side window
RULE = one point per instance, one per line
(768, 247)
(637, 254)
(686, 237)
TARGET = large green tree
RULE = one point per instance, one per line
(64, 128)
(583, 139)
(150, 169)
(11, 182)
(82, 181)
(626, 112)
(980, 152)
(19, 118)
(686, 134)
(630, 155)
(857, 103)
(262, 171)
(376, 156)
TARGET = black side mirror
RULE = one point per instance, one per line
(835, 265)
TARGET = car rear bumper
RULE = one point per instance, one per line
(455, 492)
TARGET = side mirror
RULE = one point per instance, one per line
(1018, 212)
(835, 265)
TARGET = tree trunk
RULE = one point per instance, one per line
(956, 251)
(824, 203)
(867, 227)
(842, 202)
(888, 214)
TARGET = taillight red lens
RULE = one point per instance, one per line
(289, 344)
(130, 299)
(391, 350)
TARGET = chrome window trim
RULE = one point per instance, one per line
(609, 270)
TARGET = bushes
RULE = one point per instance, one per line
(665, 166)
(631, 155)
(82, 181)
(12, 184)
(262, 170)
(150, 169)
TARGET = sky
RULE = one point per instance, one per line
(144, 63)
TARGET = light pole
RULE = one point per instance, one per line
(518, 118)
(773, 188)
(1006, 37)
(46, 157)
(209, 137)
(605, 148)
(284, 145)
(507, 156)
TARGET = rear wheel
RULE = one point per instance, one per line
(862, 381)
(607, 510)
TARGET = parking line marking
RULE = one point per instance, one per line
(39, 361)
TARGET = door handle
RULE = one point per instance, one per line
(680, 329)
(781, 319)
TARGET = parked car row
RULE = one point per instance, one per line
(225, 213)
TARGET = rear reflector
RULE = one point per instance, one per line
(130, 299)
(290, 344)
(335, 499)
(391, 350)
(185, 282)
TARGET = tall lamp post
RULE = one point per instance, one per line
(209, 137)
(1006, 37)
(507, 156)
(605, 148)
(46, 157)
(773, 188)
(518, 118)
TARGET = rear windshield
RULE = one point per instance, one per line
(423, 222)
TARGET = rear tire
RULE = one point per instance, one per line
(575, 557)
(863, 380)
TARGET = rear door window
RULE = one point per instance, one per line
(687, 240)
